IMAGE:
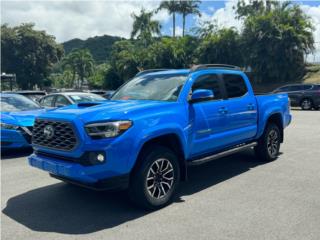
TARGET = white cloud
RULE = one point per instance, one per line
(68, 19)
(178, 31)
(224, 17)
(314, 13)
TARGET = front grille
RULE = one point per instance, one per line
(63, 136)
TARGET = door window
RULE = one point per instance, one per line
(61, 101)
(209, 82)
(47, 101)
(283, 89)
(296, 88)
(235, 85)
(307, 87)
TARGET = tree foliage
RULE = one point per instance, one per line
(129, 57)
(273, 41)
(173, 7)
(81, 64)
(28, 53)
(144, 28)
(222, 46)
(275, 37)
(99, 46)
(187, 7)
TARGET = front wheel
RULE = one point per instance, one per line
(306, 104)
(269, 144)
(155, 179)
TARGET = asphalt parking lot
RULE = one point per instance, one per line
(236, 197)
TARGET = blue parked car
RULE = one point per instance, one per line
(17, 117)
(155, 126)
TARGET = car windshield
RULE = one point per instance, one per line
(16, 103)
(89, 97)
(164, 87)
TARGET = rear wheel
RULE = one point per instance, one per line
(156, 178)
(306, 104)
(269, 143)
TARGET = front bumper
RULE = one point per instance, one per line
(113, 183)
(94, 177)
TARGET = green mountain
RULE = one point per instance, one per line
(99, 46)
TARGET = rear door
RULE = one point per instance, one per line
(241, 107)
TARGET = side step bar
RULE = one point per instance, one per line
(238, 148)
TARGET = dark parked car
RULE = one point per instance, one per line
(67, 98)
(306, 96)
(33, 95)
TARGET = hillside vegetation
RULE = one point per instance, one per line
(312, 76)
(99, 46)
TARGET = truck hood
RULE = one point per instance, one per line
(110, 110)
(23, 118)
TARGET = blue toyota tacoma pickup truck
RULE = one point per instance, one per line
(156, 125)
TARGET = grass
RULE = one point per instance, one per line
(312, 76)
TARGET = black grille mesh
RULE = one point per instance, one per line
(64, 137)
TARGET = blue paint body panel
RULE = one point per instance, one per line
(12, 139)
(201, 127)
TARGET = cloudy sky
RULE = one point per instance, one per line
(67, 19)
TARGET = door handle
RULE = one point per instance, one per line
(223, 110)
(250, 106)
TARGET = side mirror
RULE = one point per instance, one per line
(201, 95)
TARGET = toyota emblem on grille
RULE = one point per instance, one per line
(48, 131)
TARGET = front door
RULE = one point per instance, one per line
(207, 118)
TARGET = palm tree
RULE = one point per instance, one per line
(187, 7)
(69, 65)
(81, 64)
(172, 7)
(144, 27)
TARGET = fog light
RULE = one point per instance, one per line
(100, 157)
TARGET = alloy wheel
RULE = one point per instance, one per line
(273, 143)
(160, 178)
(306, 104)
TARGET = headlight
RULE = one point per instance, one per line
(107, 129)
(8, 126)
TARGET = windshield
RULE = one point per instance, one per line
(16, 103)
(165, 87)
(80, 98)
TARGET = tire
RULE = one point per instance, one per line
(150, 187)
(306, 104)
(268, 146)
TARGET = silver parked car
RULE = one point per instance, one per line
(56, 100)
